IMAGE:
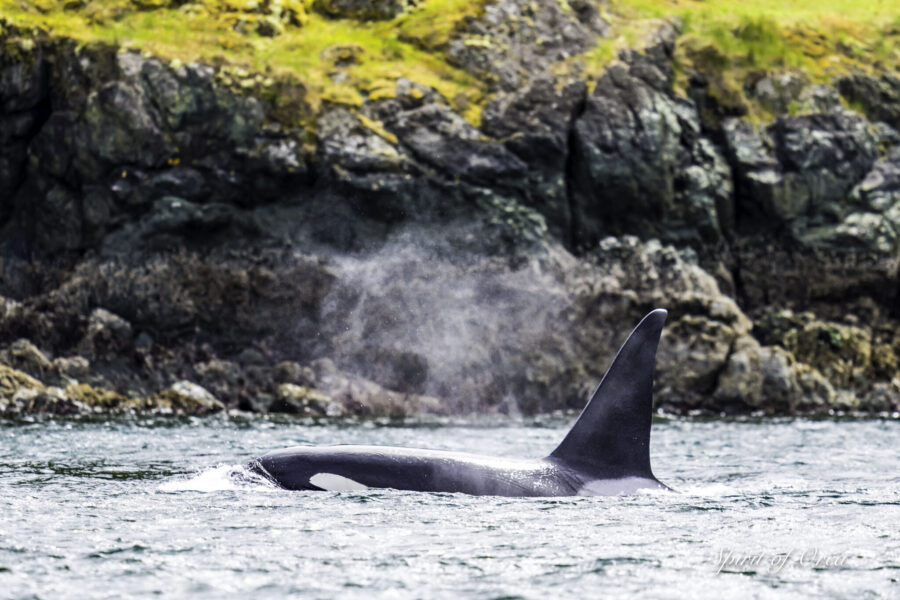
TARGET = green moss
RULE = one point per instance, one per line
(304, 56)
(846, 355)
(302, 61)
(431, 27)
(12, 380)
(730, 43)
(885, 360)
(92, 396)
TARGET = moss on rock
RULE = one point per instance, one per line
(852, 357)
(303, 401)
(270, 48)
(95, 397)
(13, 381)
(363, 10)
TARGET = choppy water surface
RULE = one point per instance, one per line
(113, 509)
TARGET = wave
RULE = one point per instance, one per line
(217, 479)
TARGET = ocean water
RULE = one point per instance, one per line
(164, 507)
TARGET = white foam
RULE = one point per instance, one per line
(615, 487)
(712, 490)
(217, 479)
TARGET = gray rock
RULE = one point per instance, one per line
(441, 138)
(252, 357)
(186, 397)
(815, 195)
(24, 355)
(859, 231)
(218, 370)
(885, 397)
(776, 92)
(275, 157)
(13, 158)
(75, 367)
(879, 96)
(107, 333)
(19, 121)
(120, 128)
(51, 401)
(363, 10)
(887, 136)
(879, 191)
(769, 380)
(707, 196)
(54, 146)
(58, 220)
(299, 400)
(172, 214)
(515, 39)
(535, 124)
(257, 403)
(875, 227)
(641, 163)
(346, 144)
(692, 355)
(292, 372)
(97, 210)
(324, 368)
(23, 82)
(800, 169)
(124, 131)
(819, 99)
(823, 157)
(173, 222)
(184, 182)
(759, 378)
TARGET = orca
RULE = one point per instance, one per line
(607, 451)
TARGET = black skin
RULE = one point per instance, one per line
(434, 471)
(605, 453)
(420, 470)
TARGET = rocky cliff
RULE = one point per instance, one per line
(167, 225)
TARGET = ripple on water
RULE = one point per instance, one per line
(103, 509)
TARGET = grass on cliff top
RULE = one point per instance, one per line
(344, 61)
(337, 61)
(732, 42)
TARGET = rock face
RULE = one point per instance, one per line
(515, 39)
(130, 140)
(801, 169)
(171, 243)
(879, 192)
(535, 124)
(21, 394)
(444, 141)
(879, 96)
(642, 164)
(813, 177)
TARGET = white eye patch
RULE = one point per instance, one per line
(335, 483)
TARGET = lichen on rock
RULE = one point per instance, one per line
(363, 10)
(183, 397)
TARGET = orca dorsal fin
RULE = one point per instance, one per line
(611, 437)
